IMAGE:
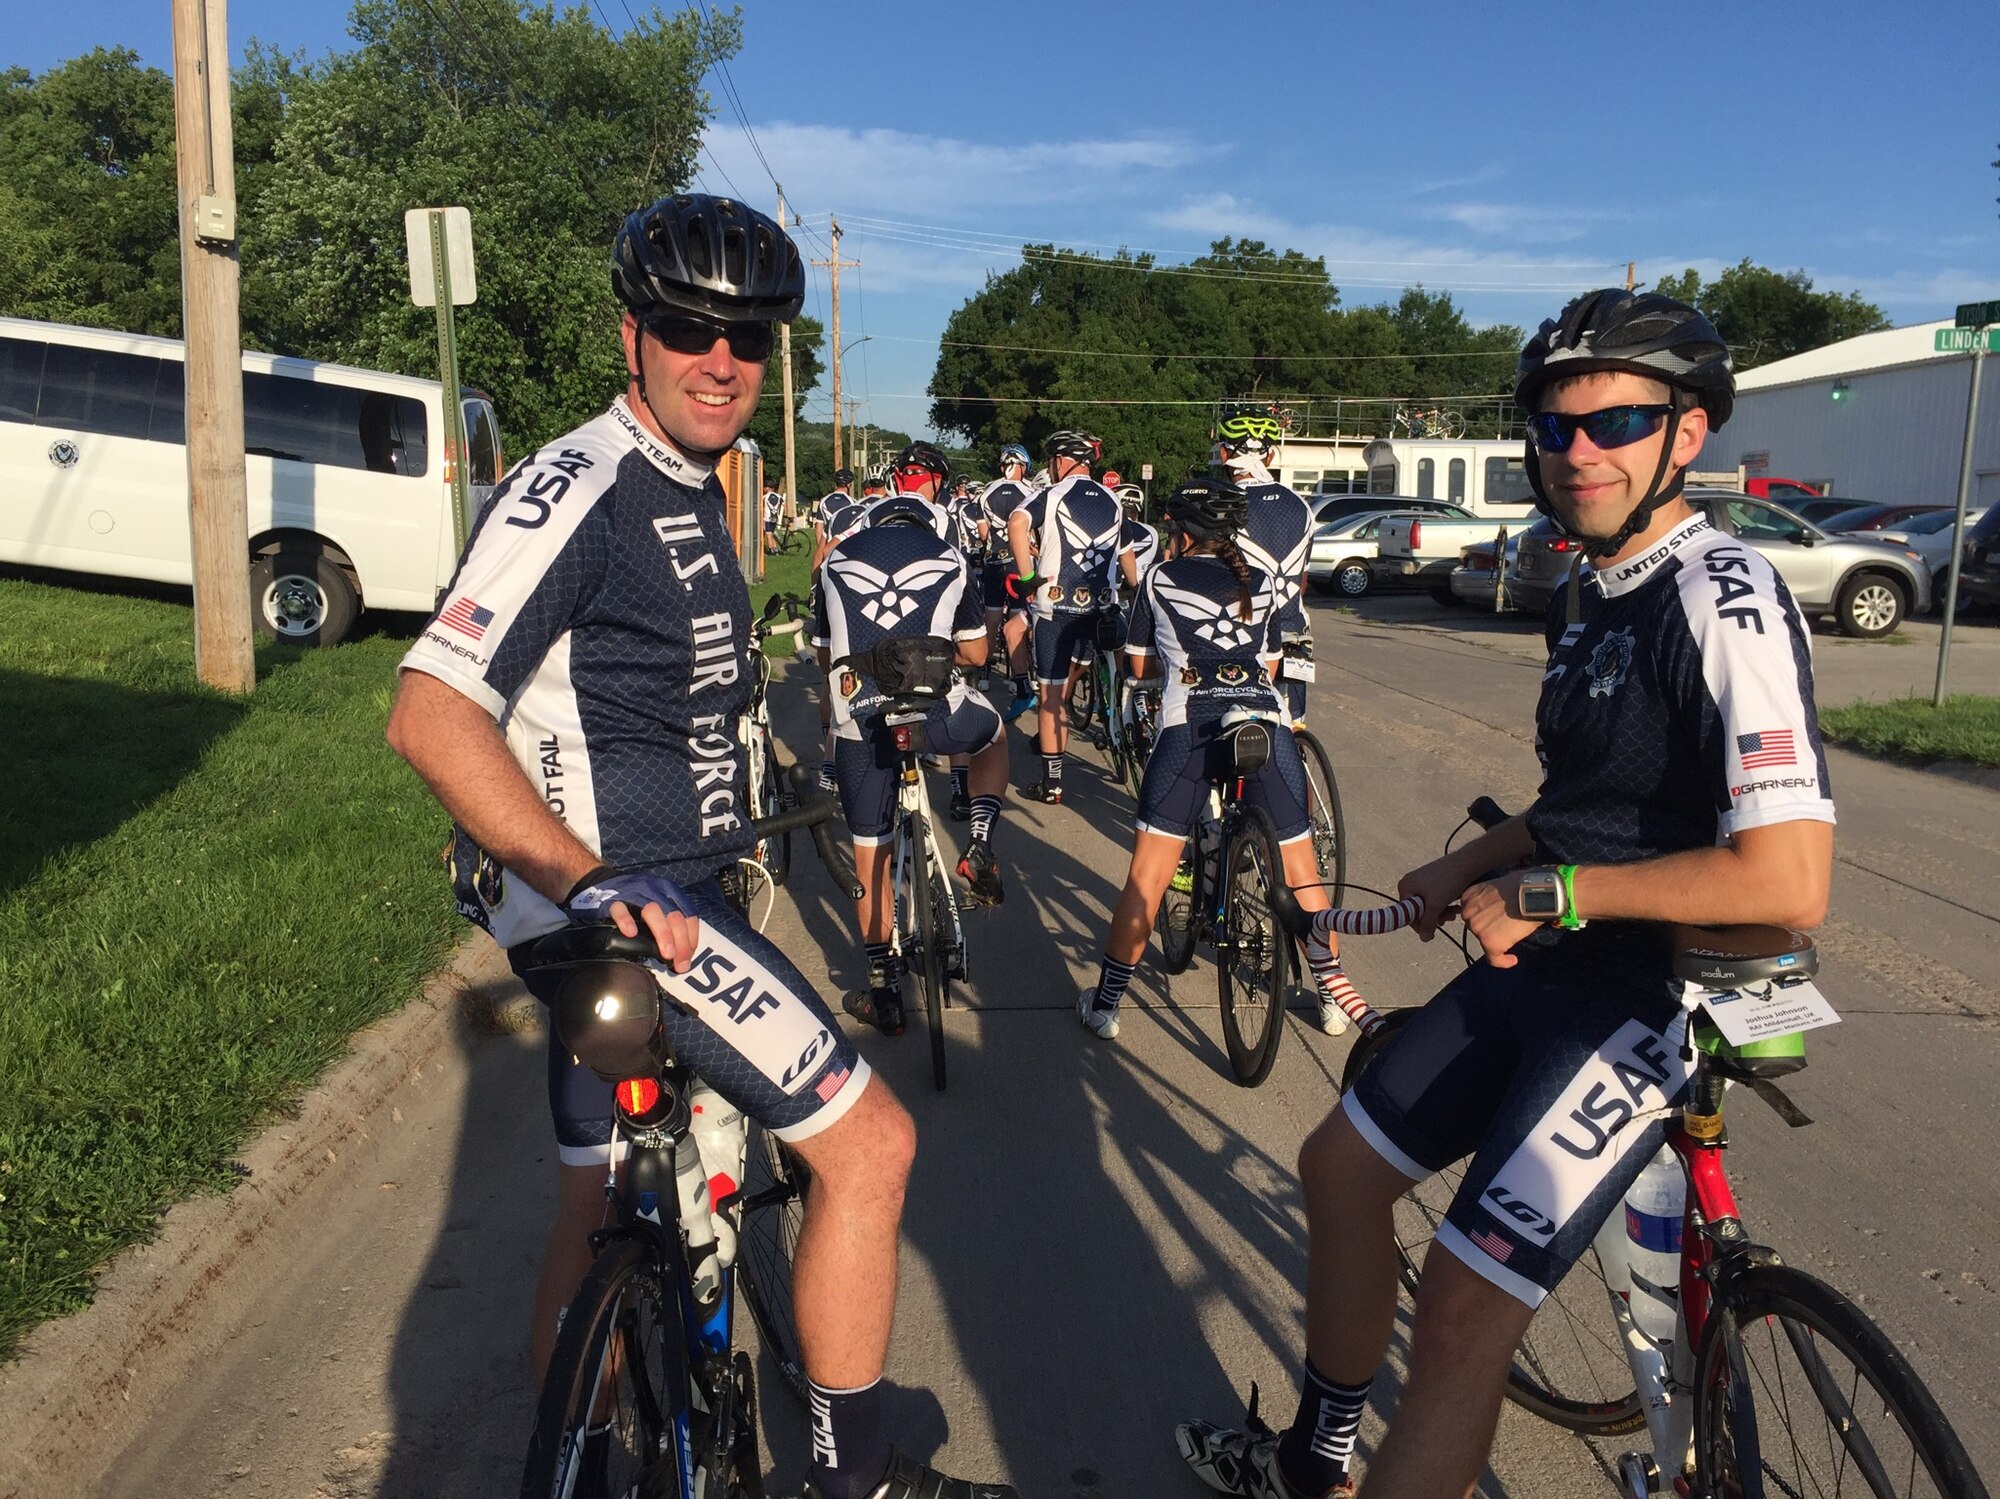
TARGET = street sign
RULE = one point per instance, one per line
(458, 256)
(1977, 314)
(1965, 340)
(1146, 471)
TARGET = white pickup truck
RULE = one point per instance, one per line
(1421, 550)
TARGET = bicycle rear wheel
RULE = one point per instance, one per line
(1176, 920)
(1797, 1392)
(1570, 1368)
(1083, 697)
(1110, 695)
(767, 1235)
(1329, 827)
(929, 928)
(1253, 963)
(604, 1420)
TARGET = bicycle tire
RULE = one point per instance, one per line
(1450, 424)
(1176, 919)
(1768, 1314)
(1570, 1369)
(1252, 1027)
(774, 853)
(1110, 697)
(1138, 746)
(1083, 698)
(930, 947)
(1329, 824)
(767, 1236)
(623, 1298)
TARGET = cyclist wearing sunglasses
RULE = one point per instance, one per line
(1683, 781)
(574, 703)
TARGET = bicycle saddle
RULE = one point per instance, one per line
(1739, 957)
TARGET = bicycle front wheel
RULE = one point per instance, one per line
(1083, 698)
(1329, 827)
(1570, 1368)
(930, 927)
(1797, 1392)
(767, 1236)
(604, 1421)
(1253, 965)
(1176, 920)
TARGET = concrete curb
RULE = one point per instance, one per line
(86, 1385)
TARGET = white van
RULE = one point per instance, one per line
(1484, 475)
(349, 506)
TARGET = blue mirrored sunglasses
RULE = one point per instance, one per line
(1613, 427)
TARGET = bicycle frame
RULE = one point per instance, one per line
(913, 807)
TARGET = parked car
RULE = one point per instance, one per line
(1341, 506)
(1930, 535)
(1784, 491)
(1472, 581)
(1870, 518)
(1341, 552)
(1423, 549)
(1822, 510)
(1868, 586)
(1541, 563)
(1979, 568)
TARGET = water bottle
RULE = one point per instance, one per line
(721, 1135)
(1654, 1208)
(697, 1224)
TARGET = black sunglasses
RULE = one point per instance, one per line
(1613, 427)
(750, 342)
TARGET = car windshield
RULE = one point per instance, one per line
(1350, 525)
(1936, 521)
(1873, 517)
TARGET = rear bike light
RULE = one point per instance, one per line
(638, 1096)
(902, 732)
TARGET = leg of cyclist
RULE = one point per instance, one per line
(865, 770)
(1155, 856)
(1053, 671)
(988, 778)
(1280, 789)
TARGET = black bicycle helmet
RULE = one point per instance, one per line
(843, 477)
(714, 256)
(908, 510)
(1208, 506)
(923, 458)
(1068, 443)
(1616, 331)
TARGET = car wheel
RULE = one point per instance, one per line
(1352, 578)
(1870, 605)
(300, 597)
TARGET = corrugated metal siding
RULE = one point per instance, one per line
(1895, 438)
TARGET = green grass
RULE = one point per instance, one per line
(201, 899)
(1966, 728)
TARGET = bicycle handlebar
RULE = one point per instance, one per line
(1371, 922)
(837, 863)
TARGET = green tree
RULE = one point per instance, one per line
(767, 427)
(1766, 314)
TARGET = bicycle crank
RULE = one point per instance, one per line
(1638, 1475)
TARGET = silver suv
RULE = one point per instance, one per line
(1867, 586)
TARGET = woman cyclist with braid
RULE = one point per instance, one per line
(1210, 619)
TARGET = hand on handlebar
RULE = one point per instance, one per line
(1492, 910)
(1439, 886)
(660, 903)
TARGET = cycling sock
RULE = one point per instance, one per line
(1023, 688)
(1313, 1455)
(1052, 770)
(961, 784)
(1334, 984)
(984, 810)
(850, 1450)
(1112, 982)
(880, 957)
(826, 777)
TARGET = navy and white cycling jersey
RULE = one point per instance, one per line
(1142, 542)
(845, 518)
(883, 581)
(967, 516)
(999, 500)
(1185, 614)
(1679, 709)
(1277, 538)
(1076, 525)
(599, 616)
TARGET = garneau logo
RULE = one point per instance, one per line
(455, 648)
(1782, 783)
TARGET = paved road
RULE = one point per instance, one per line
(1103, 1238)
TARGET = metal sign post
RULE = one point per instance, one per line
(442, 275)
(1979, 347)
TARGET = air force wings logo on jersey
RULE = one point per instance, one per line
(1092, 553)
(887, 599)
(1214, 620)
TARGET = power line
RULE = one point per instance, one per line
(1206, 401)
(962, 343)
(736, 104)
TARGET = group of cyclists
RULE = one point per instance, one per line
(573, 707)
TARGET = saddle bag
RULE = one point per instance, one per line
(907, 666)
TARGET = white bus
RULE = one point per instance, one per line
(349, 503)
(1485, 475)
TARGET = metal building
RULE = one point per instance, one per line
(1880, 417)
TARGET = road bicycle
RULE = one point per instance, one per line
(929, 928)
(1749, 1377)
(1329, 826)
(1428, 421)
(1139, 700)
(1222, 896)
(646, 1393)
(1097, 703)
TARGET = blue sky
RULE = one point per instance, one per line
(1510, 154)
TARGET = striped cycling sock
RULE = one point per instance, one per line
(1112, 982)
(1052, 770)
(1313, 1455)
(851, 1450)
(984, 810)
(961, 784)
(1333, 982)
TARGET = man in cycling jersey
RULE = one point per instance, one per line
(1138, 543)
(1277, 539)
(836, 499)
(1065, 544)
(1683, 781)
(1006, 610)
(574, 704)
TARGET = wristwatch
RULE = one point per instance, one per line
(1542, 896)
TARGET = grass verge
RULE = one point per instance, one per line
(201, 899)
(1966, 728)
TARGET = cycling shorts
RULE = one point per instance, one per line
(865, 769)
(1063, 640)
(1295, 700)
(1189, 757)
(993, 580)
(758, 1035)
(1556, 1076)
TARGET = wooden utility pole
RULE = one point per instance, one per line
(785, 353)
(1631, 274)
(833, 264)
(218, 522)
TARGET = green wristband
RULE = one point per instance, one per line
(1569, 920)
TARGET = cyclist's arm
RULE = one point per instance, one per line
(1128, 567)
(1019, 534)
(1442, 881)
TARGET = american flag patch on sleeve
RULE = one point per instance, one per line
(1766, 747)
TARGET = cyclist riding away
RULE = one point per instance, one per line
(1065, 544)
(574, 705)
(1209, 617)
(1006, 610)
(1683, 781)
(1277, 538)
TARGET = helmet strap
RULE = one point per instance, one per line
(1663, 489)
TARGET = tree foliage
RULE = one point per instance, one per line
(548, 127)
(1766, 314)
(1040, 344)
